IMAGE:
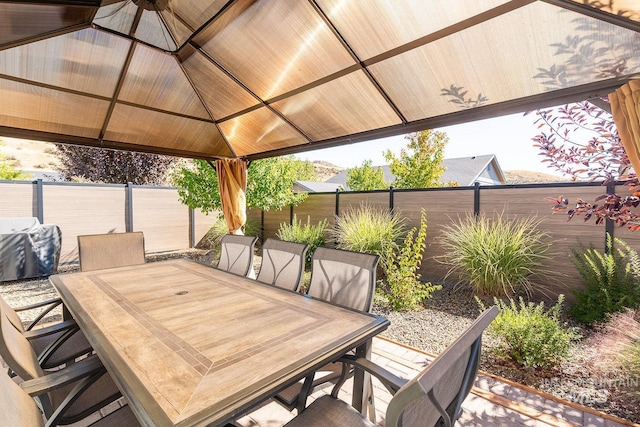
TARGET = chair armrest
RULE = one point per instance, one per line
(392, 382)
(44, 384)
(56, 301)
(50, 304)
(50, 330)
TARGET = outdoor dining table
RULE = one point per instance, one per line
(188, 344)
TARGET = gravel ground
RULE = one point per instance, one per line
(431, 329)
(450, 311)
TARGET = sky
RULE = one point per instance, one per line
(508, 137)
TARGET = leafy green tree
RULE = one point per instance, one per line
(366, 177)
(269, 183)
(7, 169)
(109, 166)
(420, 164)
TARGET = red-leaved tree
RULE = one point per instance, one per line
(581, 140)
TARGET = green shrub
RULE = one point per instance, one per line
(530, 336)
(404, 290)
(611, 280)
(496, 256)
(369, 230)
(312, 235)
(212, 238)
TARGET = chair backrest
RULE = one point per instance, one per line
(97, 251)
(282, 264)
(16, 350)
(17, 408)
(236, 254)
(11, 315)
(435, 396)
(343, 277)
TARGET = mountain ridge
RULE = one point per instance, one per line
(38, 156)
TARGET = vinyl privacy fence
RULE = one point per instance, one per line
(169, 225)
(77, 209)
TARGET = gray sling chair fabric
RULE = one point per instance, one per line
(433, 398)
(66, 395)
(236, 254)
(98, 251)
(341, 277)
(55, 344)
(282, 264)
(17, 408)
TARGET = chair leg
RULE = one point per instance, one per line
(371, 403)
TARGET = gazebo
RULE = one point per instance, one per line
(248, 79)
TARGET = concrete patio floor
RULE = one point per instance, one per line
(493, 401)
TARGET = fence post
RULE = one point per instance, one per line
(192, 228)
(262, 225)
(290, 214)
(391, 197)
(128, 215)
(39, 202)
(476, 199)
(608, 225)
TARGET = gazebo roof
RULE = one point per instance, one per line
(215, 79)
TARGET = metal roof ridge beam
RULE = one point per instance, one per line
(355, 57)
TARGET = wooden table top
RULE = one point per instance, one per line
(191, 345)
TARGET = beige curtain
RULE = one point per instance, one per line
(232, 182)
(625, 108)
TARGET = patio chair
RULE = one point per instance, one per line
(236, 254)
(17, 408)
(341, 277)
(433, 397)
(55, 344)
(66, 395)
(282, 264)
(98, 251)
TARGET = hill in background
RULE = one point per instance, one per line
(530, 177)
(36, 156)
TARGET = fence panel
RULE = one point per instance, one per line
(202, 224)
(350, 201)
(316, 208)
(17, 199)
(158, 213)
(440, 206)
(529, 202)
(83, 209)
(272, 220)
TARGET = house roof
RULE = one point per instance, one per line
(317, 187)
(467, 170)
(463, 170)
(259, 78)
